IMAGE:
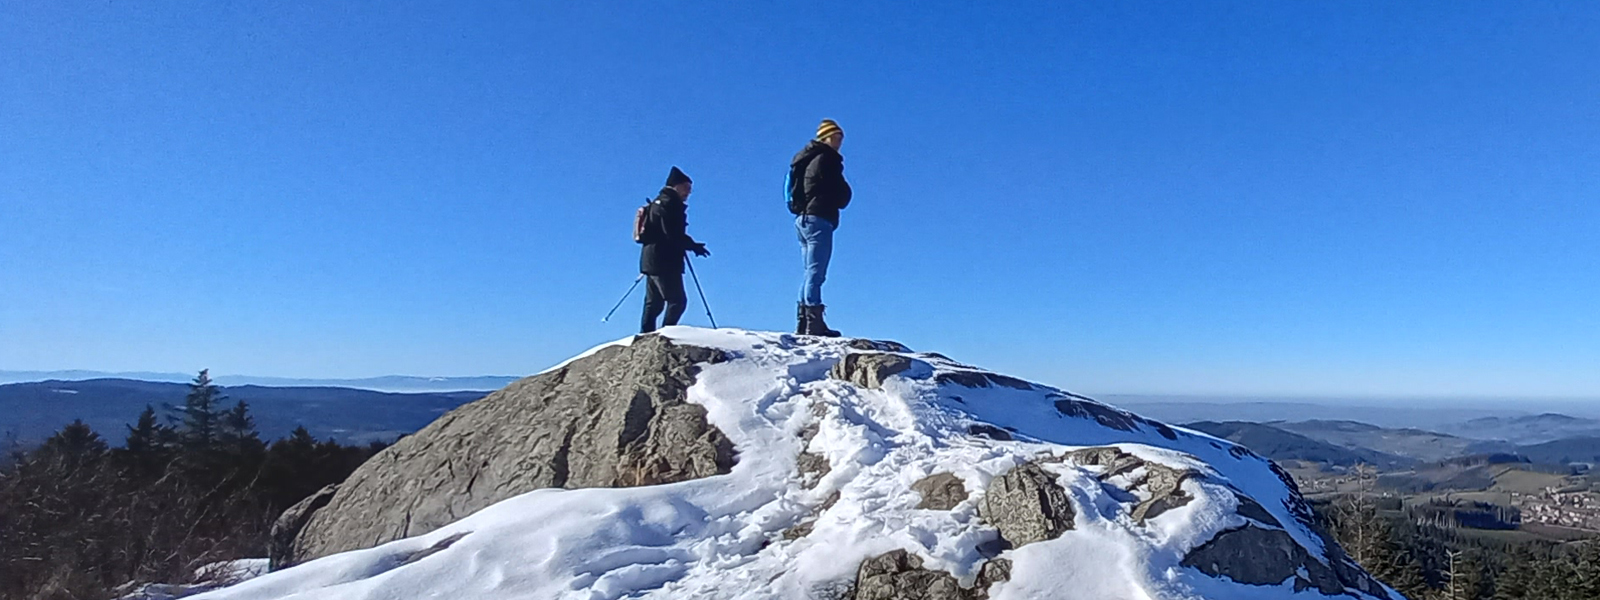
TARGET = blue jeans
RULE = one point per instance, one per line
(816, 248)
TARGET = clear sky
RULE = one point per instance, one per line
(1326, 198)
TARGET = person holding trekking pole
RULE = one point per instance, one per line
(817, 192)
(662, 226)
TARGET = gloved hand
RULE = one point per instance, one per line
(700, 250)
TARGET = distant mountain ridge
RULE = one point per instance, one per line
(1564, 451)
(32, 411)
(1342, 443)
(1279, 444)
(1423, 445)
(386, 383)
(1527, 429)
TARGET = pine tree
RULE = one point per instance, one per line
(1586, 564)
(300, 441)
(292, 469)
(1552, 575)
(200, 418)
(1372, 542)
(147, 436)
(1514, 579)
(148, 448)
(75, 444)
(1455, 579)
(238, 432)
(1364, 535)
(1477, 581)
(1403, 572)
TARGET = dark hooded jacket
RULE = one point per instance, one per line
(824, 189)
(666, 235)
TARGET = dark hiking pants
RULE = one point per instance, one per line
(663, 292)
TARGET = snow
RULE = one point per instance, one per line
(722, 537)
(208, 577)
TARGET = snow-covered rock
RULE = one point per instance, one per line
(862, 470)
(209, 577)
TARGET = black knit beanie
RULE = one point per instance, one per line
(677, 177)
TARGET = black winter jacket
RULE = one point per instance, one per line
(666, 235)
(824, 188)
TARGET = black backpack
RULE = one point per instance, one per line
(794, 187)
(642, 231)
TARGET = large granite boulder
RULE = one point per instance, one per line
(280, 544)
(1027, 505)
(617, 418)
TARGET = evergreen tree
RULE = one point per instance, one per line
(1463, 577)
(147, 449)
(238, 432)
(201, 416)
(75, 445)
(72, 506)
(1477, 581)
(292, 470)
(1586, 567)
(147, 436)
(1359, 527)
(1551, 576)
(1372, 540)
(299, 442)
(1514, 579)
(1404, 573)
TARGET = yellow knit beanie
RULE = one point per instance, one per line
(827, 129)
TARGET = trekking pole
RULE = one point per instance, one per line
(701, 290)
(636, 281)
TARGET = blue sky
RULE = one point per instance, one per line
(1306, 198)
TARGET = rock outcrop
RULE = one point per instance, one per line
(940, 491)
(1259, 556)
(1027, 505)
(899, 575)
(847, 490)
(869, 369)
(280, 545)
(616, 418)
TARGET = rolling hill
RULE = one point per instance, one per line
(1278, 444)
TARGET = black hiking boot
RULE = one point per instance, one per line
(814, 324)
(800, 316)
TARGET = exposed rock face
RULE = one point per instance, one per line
(878, 345)
(992, 572)
(813, 467)
(940, 491)
(1251, 509)
(1251, 554)
(1162, 484)
(899, 575)
(1258, 556)
(980, 379)
(869, 369)
(989, 431)
(614, 419)
(1072, 405)
(280, 548)
(1027, 505)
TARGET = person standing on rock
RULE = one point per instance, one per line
(817, 192)
(665, 235)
